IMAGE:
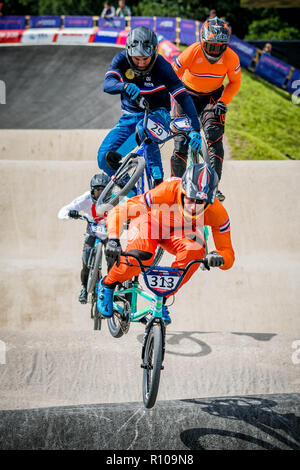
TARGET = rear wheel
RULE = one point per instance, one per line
(96, 316)
(119, 323)
(152, 365)
(123, 181)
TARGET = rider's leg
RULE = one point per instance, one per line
(185, 250)
(139, 234)
(180, 152)
(120, 139)
(152, 152)
(84, 274)
(213, 127)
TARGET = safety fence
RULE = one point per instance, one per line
(171, 32)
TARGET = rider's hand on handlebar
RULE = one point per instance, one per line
(132, 90)
(73, 214)
(220, 108)
(195, 140)
(113, 250)
(214, 259)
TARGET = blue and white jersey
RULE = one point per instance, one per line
(156, 87)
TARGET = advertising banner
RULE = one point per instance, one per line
(244, 50)
(78, 22)
(272, 69)
(12, 22)
(113, 23)
(166, 27)
(147, 21)
(293, 85)
(11, 36)
(187, 32)
(39, 36)
(75, 36)
(45, 22)
(104, 35)
(168, 50)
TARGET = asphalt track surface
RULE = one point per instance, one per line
(232, 365)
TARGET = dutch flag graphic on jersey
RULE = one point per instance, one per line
(225, 227)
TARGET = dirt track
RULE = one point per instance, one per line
(232, 332)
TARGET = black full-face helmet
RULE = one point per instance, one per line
(141, 42)
(214, 39)
(98, 181)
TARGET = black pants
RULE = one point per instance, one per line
(88, 245)
(213, 127)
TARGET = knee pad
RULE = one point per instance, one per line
(181, 145)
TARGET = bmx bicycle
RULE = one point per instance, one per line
(134, 169)
(161, 281)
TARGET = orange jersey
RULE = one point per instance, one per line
(166, 219)
(192, 67)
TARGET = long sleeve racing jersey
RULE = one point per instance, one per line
(155, 87)
(201, 76)
(162, 204)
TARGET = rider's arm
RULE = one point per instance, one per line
(81, 203)
(164, 193)
(178, 92)
(114, 81)
(217, 217)
(234, 76)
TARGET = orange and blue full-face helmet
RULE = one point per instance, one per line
(214, 39)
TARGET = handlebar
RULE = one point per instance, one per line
(143, 104)
(144, 266)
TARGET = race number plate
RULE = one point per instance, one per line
(156, 130)
(162, 281)
(99, 230)
(182, 124)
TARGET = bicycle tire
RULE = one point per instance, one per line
(95, 269)
(113, 192)
(152, 365)
(96, 316)
(116, 325)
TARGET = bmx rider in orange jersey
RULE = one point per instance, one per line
(202, 67)
(171, 215)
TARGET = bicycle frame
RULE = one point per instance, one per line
(156, 297)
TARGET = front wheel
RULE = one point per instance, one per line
(152, 365)
(122, 182)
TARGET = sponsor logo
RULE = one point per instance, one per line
(202, 195)
(129, 74)
(148, 84)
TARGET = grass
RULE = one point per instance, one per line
(262, 123)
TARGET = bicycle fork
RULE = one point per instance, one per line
(155, 319)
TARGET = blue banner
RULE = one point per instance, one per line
(293, 85)
(187, 32)
(78, 22)
(105, 35)
(147, 21)
(118, 23)
(244, 50)
(12, 22)
(272, 69)
(166, 27)
(45, 22)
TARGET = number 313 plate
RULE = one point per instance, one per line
(163, 281)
